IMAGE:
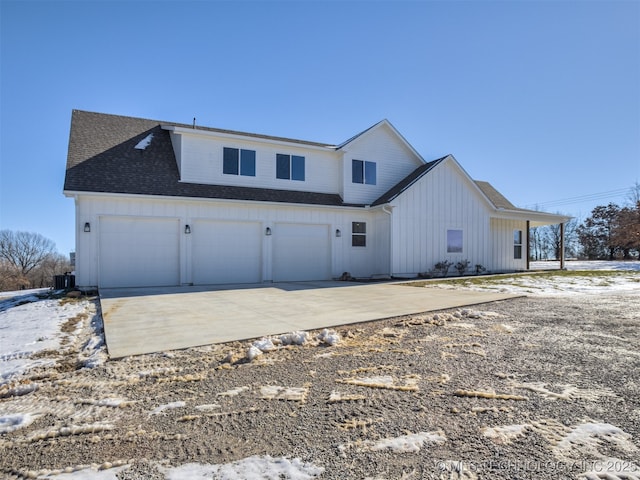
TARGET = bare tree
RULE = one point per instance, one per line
(20, 254)
(554, 237)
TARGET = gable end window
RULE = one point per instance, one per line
(363, 172)
(358, 234)
(454, 241)
(239, 162)
(517, 244)
(289, 167)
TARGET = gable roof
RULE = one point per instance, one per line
(103, 158)
(393, 129)
(494, 196)
(407, 182)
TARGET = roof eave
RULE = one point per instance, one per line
(248, 137)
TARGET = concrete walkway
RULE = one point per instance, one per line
(145, 320)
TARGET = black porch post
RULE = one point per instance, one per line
(562, 246)
(527, 240)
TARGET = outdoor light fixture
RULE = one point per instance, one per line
(187, 229)
(338, 232)
(87, 227)
(267, 232)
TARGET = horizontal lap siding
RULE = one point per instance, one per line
(441, 200)
(394, 161)
(201, 162)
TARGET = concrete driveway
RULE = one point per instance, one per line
(145, 320)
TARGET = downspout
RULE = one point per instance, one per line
(390, 212)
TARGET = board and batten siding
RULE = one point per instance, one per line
(393, 159)
(443, 199)
(343, 257)
(502, 244)
(201, 161)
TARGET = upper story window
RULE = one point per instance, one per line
(517, 244)
(358, 234)
(239, 162)
(454, 241)
(289, 167)
(363, 172)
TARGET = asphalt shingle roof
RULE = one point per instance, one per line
(102, 158)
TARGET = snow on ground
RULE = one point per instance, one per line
(632, 265)
(28, 325)
(615, 277)
(250, 468)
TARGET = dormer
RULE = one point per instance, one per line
(374, 161)
(224, 157)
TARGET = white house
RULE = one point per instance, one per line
(161, 203)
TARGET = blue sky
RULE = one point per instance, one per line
(540, 98)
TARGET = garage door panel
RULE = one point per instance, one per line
(136, 252)
(301, 252)
(226, 252)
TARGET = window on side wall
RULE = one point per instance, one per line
(358, 234)
(290, 167)
(517, 244)
(454, 241)
(236, 161)
(363, 172)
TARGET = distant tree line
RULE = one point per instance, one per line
(611, 232)
(29, 260)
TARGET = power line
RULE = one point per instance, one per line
(581, 198)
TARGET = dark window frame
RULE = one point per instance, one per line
(517, 244)
(363, 172)
(238, 161)
(358, 234)
(290, 167)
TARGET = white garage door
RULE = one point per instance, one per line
(226, 252)
(301, 252)
(139, 252)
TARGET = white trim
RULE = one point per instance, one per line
(376, 126)
(73, 193)
(249, 138)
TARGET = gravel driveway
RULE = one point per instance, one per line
(536, 387)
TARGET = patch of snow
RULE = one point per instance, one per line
(294, 338)
(271, 392)
(264, 345)
(207, 407)
(632, 265)
(144, 143)
(411, 443)
(330, 337)
(233, 392)
(28, 328)
(253, 352)
(586, 438)
(89, 473)
(167, 406)
(505, 433)
(12, 422)
(251, 468)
